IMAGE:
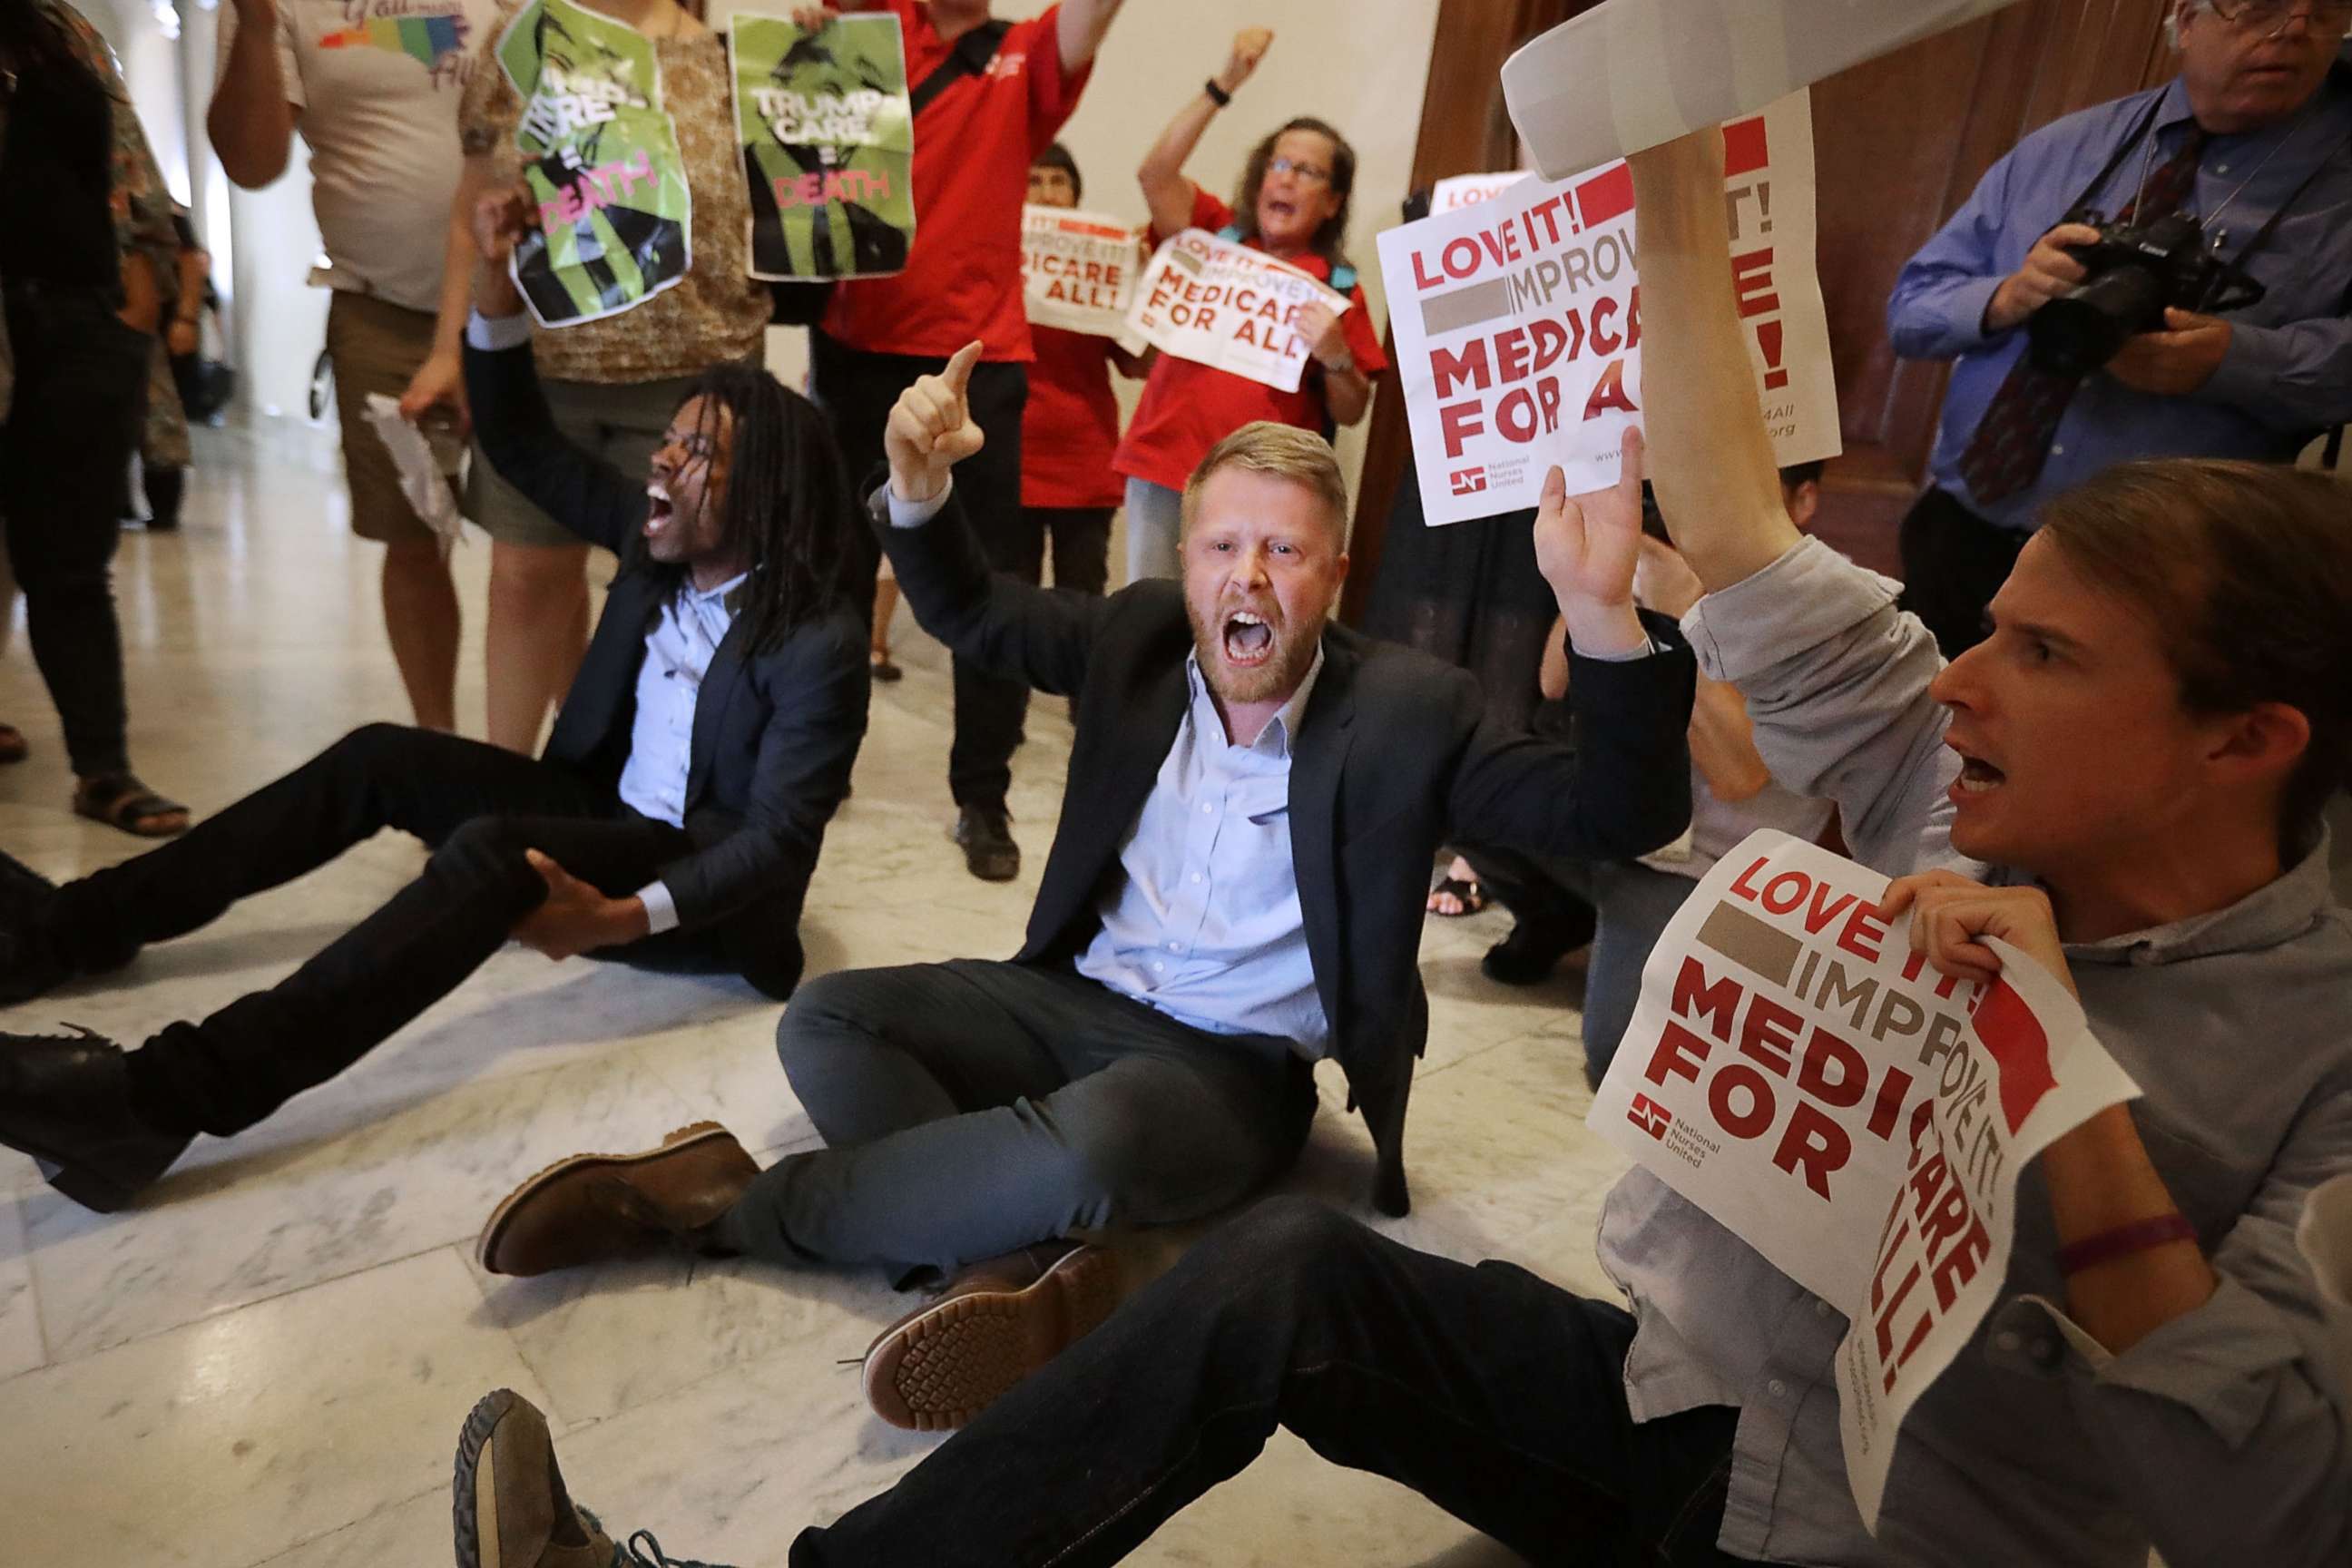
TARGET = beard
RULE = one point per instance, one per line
(1289, 653)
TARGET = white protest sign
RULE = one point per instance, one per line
(1459, 191)
(1224, 305)
(1077, 270)
(1518, 322)
(1630, 74)
(1798, 1073)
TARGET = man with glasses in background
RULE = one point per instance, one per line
(2237, 171)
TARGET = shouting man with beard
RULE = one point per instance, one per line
(1236, 891)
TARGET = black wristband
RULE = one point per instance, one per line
(1217, 95)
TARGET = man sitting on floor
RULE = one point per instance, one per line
(674, 821)
(1235, 891)
(2124, 782)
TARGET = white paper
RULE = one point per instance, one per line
(1515, 323)
(1222, 304)
(424, 475)
(1078, 270)
(1630, 74)
(1453, 193)
(1798, 1073)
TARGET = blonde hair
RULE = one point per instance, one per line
(1263, 446)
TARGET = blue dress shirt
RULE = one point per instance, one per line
(2288, 371)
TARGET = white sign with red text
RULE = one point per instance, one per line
(1458, 191)
(1795, 1071)
(1224, 305)
(1518, 322)
(1077, 270)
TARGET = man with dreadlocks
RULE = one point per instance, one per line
(673, 822)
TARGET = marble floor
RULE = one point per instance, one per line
(267, 1363)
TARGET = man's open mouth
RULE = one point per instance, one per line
(657, 505)
(1248, 640)
(1978, 777)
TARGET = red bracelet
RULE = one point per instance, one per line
(2124, 1240)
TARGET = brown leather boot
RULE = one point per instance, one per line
(997, 1321)
(511, 1506)
(593, 1207)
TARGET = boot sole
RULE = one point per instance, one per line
(473, 1506)
(939, 1369)
(494, 1229)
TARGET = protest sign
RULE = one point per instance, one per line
(1222, 304)
(1630, 74)
(1795, 1070)
(1077, 270)
(1518, 322)
(1461, 191)
(828, 144)
(601, 157)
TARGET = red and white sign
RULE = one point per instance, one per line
(1224, 305)
(1518, 321)
(1459, 191)
(1798, 1073)
(1077, 269)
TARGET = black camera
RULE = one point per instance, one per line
(2137, 272)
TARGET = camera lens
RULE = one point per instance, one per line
(2080, 330)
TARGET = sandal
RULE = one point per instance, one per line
(119, 800)
(884, 671)
(14, 747)
(1465, 892)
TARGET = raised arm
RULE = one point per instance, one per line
(1079, 27)
(254, 112)
(1006, 627)
(440, 381)
(1167, 191)
(1717, 481)
(574, 487)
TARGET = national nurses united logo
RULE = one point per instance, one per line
(1650, 1116)
(1468, 481)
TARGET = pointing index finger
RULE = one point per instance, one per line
(958, 374)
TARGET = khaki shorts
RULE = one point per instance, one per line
(376, 346)
(622, 423)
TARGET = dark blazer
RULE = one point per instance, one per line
(1394, 756)
(776, 732)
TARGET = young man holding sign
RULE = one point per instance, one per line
(2124, 784)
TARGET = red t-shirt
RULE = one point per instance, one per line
(1188, 408)
(973, 145)
(1071, 428)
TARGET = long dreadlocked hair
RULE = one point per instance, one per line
(788, 500)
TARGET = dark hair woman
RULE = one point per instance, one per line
(1292, 204)
(86, 257)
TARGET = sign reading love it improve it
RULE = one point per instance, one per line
(1798, 1073)
(1518, 322)
(828, 146)
(1077, 270)
(1224, 305)
(600, 155)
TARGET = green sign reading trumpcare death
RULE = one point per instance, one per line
(601, 156)
(828, 146)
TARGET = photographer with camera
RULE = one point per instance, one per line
(2161, 275)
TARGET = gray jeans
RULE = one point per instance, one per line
(973, 1108)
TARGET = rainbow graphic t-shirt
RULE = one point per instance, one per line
(427, 39)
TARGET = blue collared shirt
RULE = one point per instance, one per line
(2288, 371)
(1205, 924)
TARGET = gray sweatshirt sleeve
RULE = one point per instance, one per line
(1836, 683)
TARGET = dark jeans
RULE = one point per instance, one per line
(1633, 904)
(973, 1108)
(1496, 1396)
(857, 390)
(65, 455)
(479, 807)
(1954, 561)
(1081, 542)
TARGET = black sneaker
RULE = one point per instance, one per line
(986, 834)
(1534, 947)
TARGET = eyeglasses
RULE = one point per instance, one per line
(2270, 17)
(1316, 172)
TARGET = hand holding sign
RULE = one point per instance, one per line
(1587, 547)
(1951, 916)
(930, 430)
(499, 221)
